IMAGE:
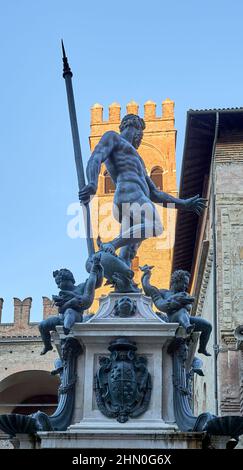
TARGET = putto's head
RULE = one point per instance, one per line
(136, 124)
(63, 277)
(180, 280)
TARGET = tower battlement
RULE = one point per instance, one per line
(22, 324)
(164, 122)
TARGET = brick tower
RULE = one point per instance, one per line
(158, 152)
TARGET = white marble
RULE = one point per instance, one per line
(152, 336)
(121, 440)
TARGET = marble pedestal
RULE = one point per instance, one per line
(152, 337)
(156, 427)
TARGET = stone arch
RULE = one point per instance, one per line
(152, 156)
(27, 391)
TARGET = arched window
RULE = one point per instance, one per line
(157, 177)
(109, 185)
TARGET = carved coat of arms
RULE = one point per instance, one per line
(122, 383)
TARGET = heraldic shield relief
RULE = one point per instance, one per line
(122, 383)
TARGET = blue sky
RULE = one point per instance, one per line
(188, 51)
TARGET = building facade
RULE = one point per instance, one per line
(211, 248)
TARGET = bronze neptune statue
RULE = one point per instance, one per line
(135, 194)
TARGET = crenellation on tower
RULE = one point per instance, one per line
(22, 311)
(132, 107)
(96, 114)
(149, 110)
(114, 112)
(168, 109)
